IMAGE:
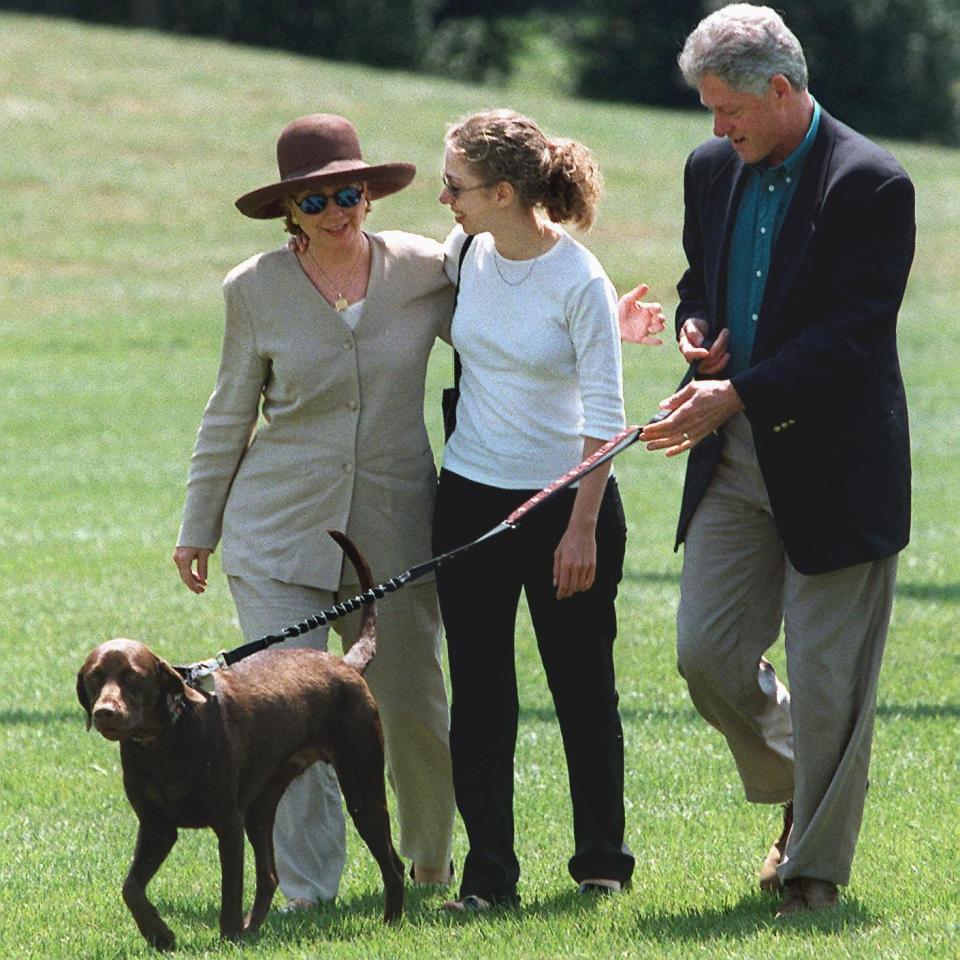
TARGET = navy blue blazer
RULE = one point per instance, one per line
(824, 394)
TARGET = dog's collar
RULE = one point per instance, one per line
(174, 706)
(200, 675)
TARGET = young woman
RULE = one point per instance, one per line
(536, 329)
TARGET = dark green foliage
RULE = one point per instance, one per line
(630, 50)
(389, 33)
(887, 67)
(884, 66)
(473, 49)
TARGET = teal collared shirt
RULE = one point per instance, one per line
(763, 208)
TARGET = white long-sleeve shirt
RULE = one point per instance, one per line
(540, 348)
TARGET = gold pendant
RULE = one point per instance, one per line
(340, 304)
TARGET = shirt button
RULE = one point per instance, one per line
(348, 468)
(759, 273)
(771, 188)
(347, 344)
(763, 229)
(352, 405)
(754, 318)
(789, 179)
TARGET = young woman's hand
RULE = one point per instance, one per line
(639, 321)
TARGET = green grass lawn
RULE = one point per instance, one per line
(121, 156)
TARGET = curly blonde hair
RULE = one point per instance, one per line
(559, 175)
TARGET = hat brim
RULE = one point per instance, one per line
(268, 202)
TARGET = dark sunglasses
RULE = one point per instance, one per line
(317, 202)
(455, 191)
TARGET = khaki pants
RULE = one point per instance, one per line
(813, 743)
(406, 679)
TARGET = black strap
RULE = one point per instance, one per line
(456, 294)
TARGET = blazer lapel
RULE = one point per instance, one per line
(725, 192)
(799, 228)
(375, 284)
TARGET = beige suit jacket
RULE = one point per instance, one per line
(341, 442)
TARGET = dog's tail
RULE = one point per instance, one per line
(365, 646)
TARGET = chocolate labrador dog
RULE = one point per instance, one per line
(192, 759)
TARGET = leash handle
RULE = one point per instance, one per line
(692, 372)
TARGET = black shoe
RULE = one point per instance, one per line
(591, 889)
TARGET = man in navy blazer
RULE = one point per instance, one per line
(799, 235)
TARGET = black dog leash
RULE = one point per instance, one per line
(199, 675)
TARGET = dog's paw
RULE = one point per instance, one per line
(163, 939)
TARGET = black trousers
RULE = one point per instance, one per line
(479, 595)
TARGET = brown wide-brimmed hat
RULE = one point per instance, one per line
(319, 149)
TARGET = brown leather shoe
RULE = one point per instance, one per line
(805, 895)
(769, 879)
(793, 899)
(820, 894)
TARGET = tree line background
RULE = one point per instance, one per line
(888, 67)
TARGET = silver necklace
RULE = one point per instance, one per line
(341, 303)
(512, 283)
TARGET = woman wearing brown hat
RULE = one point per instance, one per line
(329, 341)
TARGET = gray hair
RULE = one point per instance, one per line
(745, 46)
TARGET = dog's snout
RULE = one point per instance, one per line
(110, 716)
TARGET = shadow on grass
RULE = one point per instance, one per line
(545, 713)
(645, 576)
(941, 592)
(918, 711)
(351, 919)
(345, 920)
(751, 915)
(15, 716)
(195, 921)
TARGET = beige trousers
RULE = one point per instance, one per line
(811, 744)
(406, 679)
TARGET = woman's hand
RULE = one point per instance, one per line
(575, 561)
(639, 320)
(184, 558)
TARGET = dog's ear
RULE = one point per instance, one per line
(169, 681)
(172, 690)
(82, 694)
